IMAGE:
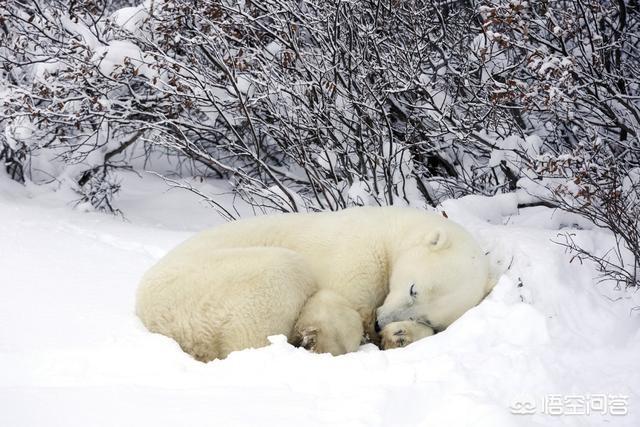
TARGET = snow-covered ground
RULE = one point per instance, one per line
(549, 339)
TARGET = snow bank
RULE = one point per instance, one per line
(72, 351)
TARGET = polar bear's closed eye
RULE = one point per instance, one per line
(412, 291)
(438, 240)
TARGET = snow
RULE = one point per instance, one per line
(360, 193)
(244, 85)
(131, 18)
(274, 48)
(19, 131)
(81, 29)
(114, 55)
(72, 352)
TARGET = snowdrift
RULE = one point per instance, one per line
(547, 346)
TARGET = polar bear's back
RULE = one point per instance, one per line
(322, 234)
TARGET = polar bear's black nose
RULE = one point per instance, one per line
(376, 327)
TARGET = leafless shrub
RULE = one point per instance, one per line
(315, 105)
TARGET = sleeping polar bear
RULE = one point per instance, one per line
(325, 280)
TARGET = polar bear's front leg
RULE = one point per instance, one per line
(327, 324)
(401, 334)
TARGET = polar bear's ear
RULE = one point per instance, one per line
(438, 240)
(435, 240)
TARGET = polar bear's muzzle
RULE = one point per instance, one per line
(383, 318)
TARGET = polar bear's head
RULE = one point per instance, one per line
(434, 280)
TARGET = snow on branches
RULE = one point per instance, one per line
(313, 104)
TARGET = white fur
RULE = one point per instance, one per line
(316, 278)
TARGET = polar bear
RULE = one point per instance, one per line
(326, 280)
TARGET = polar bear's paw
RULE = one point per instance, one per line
(394, 337)
(307, 338)
(401, 334)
